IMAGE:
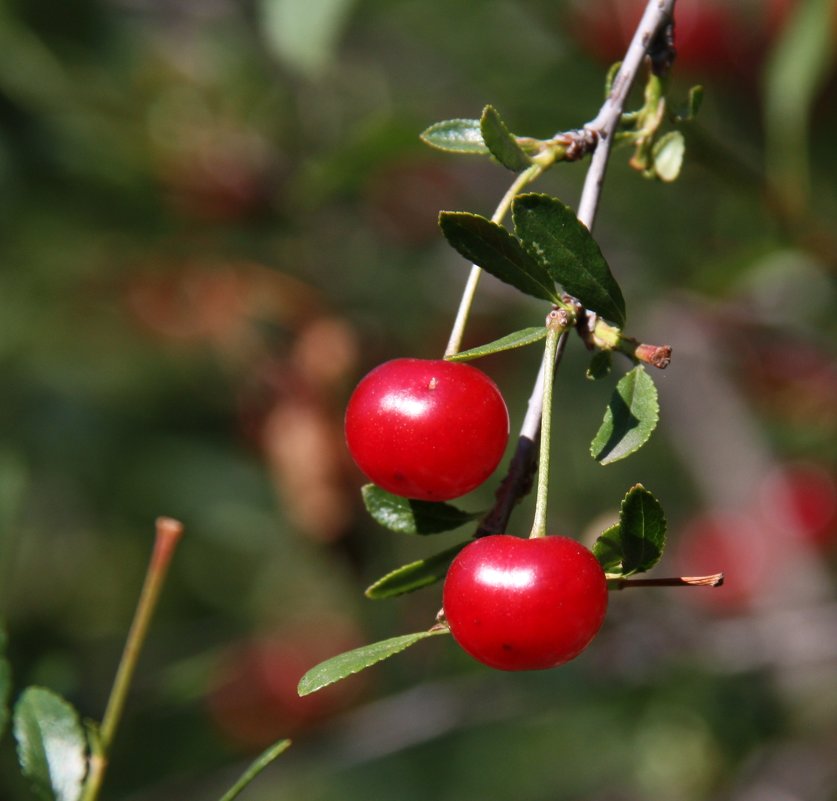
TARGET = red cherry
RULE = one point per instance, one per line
(524, 604)
(429, 430)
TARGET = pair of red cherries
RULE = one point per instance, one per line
(433, 430)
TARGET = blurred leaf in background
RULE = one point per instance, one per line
(304, 35)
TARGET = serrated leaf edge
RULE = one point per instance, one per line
(640, 488)
(656, 419)
(549, 293)
(617, 300)
(408, 640)
(489, 112)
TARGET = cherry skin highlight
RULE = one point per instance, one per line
(524, 604)
(427, 429)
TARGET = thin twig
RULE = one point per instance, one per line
(715, 580)
(657, 13)
(518, 480)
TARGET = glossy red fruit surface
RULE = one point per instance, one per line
(427, 429)
(524, 604)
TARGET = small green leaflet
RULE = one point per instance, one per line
(519, 339)
(406, 516)
(630, 418)
(493, 248)
(344, 665)
(668, 154)
(269, 755)
(456, 136)
(551, 234)
(51, 745)
(637, 542)
(608, 550)
(501, 143)
(415, 575)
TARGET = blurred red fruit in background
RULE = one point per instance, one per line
(802, 497)
(732, 544)
(712, 37)
(253, 698)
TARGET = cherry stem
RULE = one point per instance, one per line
(714, 580)
(457, 332)
(168, 533)
(557, 323)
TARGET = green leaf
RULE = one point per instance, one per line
(304, 35)
(630, 418)
(562, 245)
(5, 682)
(636, 543)
(608, 550)
(494, 249)
(264, 759)
(500, 142)
(599, 366)
(347, 664)
(407, 516)
(51, 745)
(456, 136)
(668, 153)
(642, 524)
(415, 575)
(519, 339)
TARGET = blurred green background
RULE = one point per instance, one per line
(216, 216)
